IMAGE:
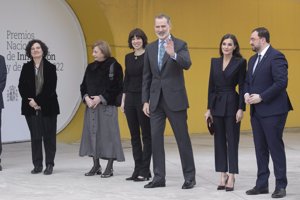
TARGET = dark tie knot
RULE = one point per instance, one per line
(259, 58)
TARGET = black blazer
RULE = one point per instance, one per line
(270, 81)
(223, 100)
(3, 74)
(47, 99)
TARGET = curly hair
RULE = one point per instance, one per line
(31, 43)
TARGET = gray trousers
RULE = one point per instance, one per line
(178, 121)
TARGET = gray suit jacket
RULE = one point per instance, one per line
(169, 81)
(3, 74)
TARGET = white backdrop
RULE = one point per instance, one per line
(53, 22)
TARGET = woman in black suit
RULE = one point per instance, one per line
(138, 122)
(37, 87)
(225, 107)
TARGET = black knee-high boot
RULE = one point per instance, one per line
(96, 169)
(109, 169)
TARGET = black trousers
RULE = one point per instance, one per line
(226, 143)
(268, 141)
(0, 134)
(139, 127)
(42, 130)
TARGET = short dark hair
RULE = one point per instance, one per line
(263, 32)
(139, 33)
(236, 51)
(31, 43)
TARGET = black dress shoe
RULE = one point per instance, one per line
(141, 178)
(48, 170)
(255, 191)
(188, 184)
(155, 184)
(37, 170)
(93, 171)
(279, 193)
(132, 177)
(107, 174)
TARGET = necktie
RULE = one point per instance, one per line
(258, 61)
(161, 53)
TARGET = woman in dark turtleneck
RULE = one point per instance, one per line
(102, 82)
(138, 122)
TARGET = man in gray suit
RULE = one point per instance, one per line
(164, 96)
(3, 73)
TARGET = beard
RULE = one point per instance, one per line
(255, 49)
(162, 35)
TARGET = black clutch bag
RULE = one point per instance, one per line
(210, 126)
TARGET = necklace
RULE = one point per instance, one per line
(137, 54)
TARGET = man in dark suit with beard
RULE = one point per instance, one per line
(164, 96)
(265, 90)
(3, 74)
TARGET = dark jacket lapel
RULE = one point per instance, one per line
(263, 59)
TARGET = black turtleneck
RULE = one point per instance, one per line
(133, 73)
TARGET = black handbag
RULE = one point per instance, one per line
(210, 126)
(118, 99)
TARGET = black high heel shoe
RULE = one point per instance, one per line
(107, 173)
(229, 189)
(95, 170)
(223, 187)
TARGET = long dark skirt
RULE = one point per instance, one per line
(101, 134)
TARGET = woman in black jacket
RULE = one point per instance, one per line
(100, 88)
(37, 87)
(225, 107)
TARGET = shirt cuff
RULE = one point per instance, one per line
(174, 57)
(246, 94)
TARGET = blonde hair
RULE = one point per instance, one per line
(104, 47)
